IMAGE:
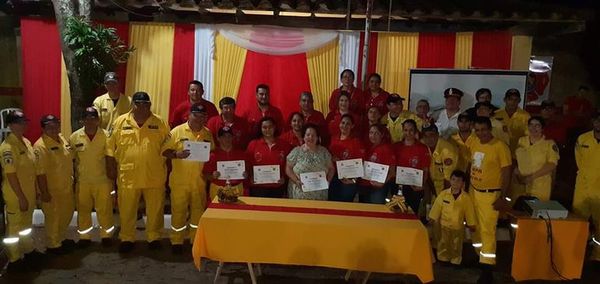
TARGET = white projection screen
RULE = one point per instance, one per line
(430, 84)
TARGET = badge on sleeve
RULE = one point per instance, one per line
(448, 162)
(7, 158)
(555, 148)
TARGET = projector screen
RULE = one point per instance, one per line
(430, 84)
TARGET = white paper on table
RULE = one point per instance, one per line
(199, 151)
(266, 174)
(376, 172)
(229, 170)
(409, 176)
(314, 181)
(352, 168)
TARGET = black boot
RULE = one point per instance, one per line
(487, 274)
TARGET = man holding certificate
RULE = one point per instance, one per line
(346, 150)
(380, 168)
(188, 194)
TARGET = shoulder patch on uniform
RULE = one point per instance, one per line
(446, 201)
(8, 160)
(584, 146)
(153, 126)
(6, 153)
(78, 145)
(555, 148)
(448, 162)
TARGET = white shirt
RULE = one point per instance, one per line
(447, 126)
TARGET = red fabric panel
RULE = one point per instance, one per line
(372, 64)
(436, 50)
(491, 50)
(183, 64)
(286, 75)
(41, 61)
(122, 29)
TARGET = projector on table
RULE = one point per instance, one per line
(546, 209)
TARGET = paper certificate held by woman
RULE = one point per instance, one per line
(231, 170)
(266, 174)
(314, 181)
(352, 168)
(376, 172)
(409, 176)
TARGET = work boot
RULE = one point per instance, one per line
(155, 245)
(82, 244)
(68, 245)
(35, 260)
(126, 247)
(57, 251)
(177, 249)
(106, 242)
(487, 274)
(18, 266)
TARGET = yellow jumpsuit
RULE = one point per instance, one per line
(55, 160)
(464, 156)
(108, 111)
(443, 162)
(141, 172)
(94, 189)
(18, 158)
(530, 158)
(395, 126)
(586, 201)
(188, 186)
(451, 213)
(516, 125)
(487, 160)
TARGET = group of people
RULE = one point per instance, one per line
(474, 162)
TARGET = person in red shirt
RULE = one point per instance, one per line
(555, 128)
(313, 116)
(579, 108)
(239, 126)
(335, 117)
(268, 149)
(345, 146)
(294, 135)
(224, 152)
(263, 109)
(375, 95)
(373, 118)
(412, 154)
(380, 152)
(181, 112)
(357, 100)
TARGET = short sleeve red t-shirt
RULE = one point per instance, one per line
(414, 156)
(261, 154)
(219, 155)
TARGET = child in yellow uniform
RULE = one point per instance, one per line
(451, 209)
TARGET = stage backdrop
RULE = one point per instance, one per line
(231, 60)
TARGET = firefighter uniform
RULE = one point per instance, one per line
(452, 213)
(55, 160)
(443, 162)
(487, 160)
(586, 201)
(188, 186)
(109, 111)
(530, 158)
(94, 189)
(141, 172)
(18, 158)
(395, 126)
(515, 125)
(464, 156)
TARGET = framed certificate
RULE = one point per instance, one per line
(199, 151)
(409, 176)
(352, 168)
(314, 181)
(376, 172)
(266, 174)
(231, 169)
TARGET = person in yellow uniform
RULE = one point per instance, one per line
(444, 157)
(135, 160)
(18, 191)
(536, 158)
(586, 201)
(513, 117)
(485, 109)
(461, 139)
(187, 183)
(452, 209)
(490, 178)
(112, 104)
(396, 116)
(55, 182)
(94, 189)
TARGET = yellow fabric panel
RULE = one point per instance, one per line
(396, 55)
(520, 53)
(228, 68)
(65, 100)
(322, 72)
(462, 51)
(149, 68)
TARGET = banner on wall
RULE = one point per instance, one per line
(538, 79)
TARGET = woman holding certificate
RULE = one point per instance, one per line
(294, 135)
(309, 167)
(347, 152)
(334, 118)
(380, 162)
(267, 156)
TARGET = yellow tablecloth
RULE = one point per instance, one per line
(347, 242)
(531, 255)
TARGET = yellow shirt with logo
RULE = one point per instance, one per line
(90, 156)
(516, 126)
(108, 111)
(395, 126)
(55, 160)
(487, 160)
(464, 156)
(186, 173)
(453, 212)
(18, 157)
(444, 160)
(532, 157)
(587, 155)
(137, 150)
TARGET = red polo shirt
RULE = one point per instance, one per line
(260, 154)
(317, 118)
(254, 114)
(291, 138)
(219, 155)
(333, 123)
(357, 100)
(351, 148)
(380, 101)
(414, 156)
(181, 113)
(381, 154)
(239, 127)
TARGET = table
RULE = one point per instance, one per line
(353, 236)
(531, 255)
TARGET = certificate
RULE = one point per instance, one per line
(266, 174)
(376, 172)
(409, 176)
(231, 169)
(314, 181)
(199, 151)
(350, 168)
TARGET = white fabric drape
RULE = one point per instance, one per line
(276, 40)
(204, 53)
(349, 43)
